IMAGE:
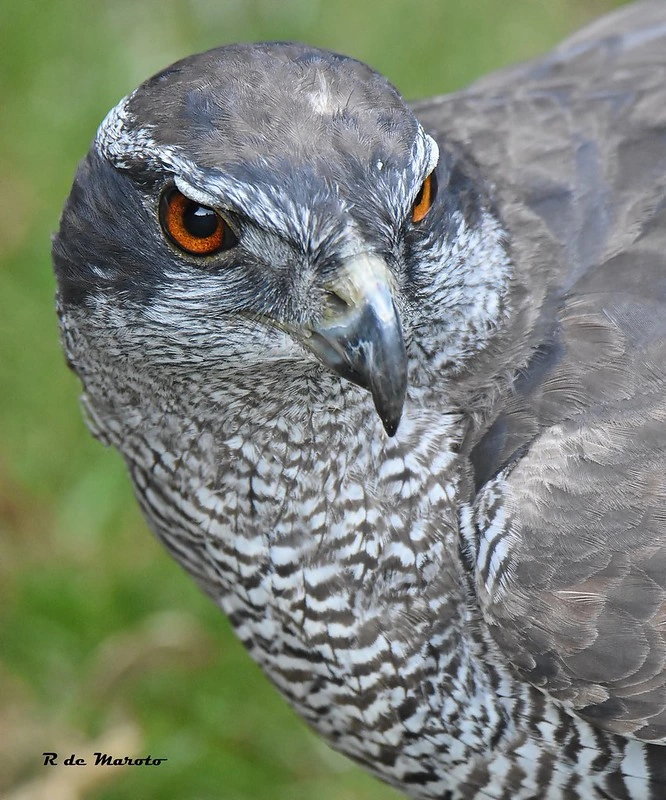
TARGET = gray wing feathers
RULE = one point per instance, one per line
(571, 572)
(638, 23)
(582, 609)
(633, 35)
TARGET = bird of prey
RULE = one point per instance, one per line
(390, 383)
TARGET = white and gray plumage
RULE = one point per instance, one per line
(408, 432)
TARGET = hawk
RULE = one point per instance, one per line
(390, 383)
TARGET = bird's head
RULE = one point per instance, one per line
(266, 205)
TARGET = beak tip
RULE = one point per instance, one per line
(391, 426)
(389, 406)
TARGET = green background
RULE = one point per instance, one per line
(104, 644)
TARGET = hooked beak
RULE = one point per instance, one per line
(360, 336)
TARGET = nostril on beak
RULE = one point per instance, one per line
(334, 304)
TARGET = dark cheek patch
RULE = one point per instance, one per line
(107, 240)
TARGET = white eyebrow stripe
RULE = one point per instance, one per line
(270, 207)
(432, 153)
(232, 195)
(123, 142)
(117, 141)
(194, 193)
(425, 153)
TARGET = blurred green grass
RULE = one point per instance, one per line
(100, 633)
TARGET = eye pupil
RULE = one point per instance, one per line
(200, 221)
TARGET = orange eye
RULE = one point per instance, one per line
(194, 228)
(425, 198)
